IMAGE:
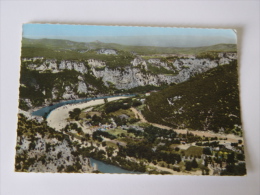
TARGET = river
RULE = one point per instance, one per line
(107, 168)
(46, 110)
(101, 166)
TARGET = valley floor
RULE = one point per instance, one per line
(230, 137)
(57, 119)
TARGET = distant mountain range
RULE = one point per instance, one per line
(66, 44)
(152, 40)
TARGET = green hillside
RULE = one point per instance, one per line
(56, 44)
(209, 101)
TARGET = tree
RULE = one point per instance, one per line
(194, 163)
(75, 113)
(136, 103)
(59, 155)
(231, 158)
(188, 166)
(32, 146)
(240, 157)
(207, 151)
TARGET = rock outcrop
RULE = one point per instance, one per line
(107, 51)
(46, 151)
(137, 73)
(96, 63)
(139, 61)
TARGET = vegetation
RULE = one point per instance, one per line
(143, 89)
(75, 113)
(122, 59)
(47, 140)
(209, 101)
(116, 132)
(211, 55)
(159, 70)
(144, 50)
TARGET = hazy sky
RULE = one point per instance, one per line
(151, 36)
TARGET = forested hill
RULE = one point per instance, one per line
(209, 101)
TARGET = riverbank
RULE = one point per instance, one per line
(57, 118)
(105, 167)
(44, 111)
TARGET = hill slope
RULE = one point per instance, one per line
(209, 101)
(56, 44)
(54, 70)
(40, 148)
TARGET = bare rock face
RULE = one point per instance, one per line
(29, 116)
(54, 93)
(107, 51)
(80, 67)
(96, 63)
(82, 87)
(50, 155)
(69, 94)
(158, 63)
(130, 78)
(54, 66)
(139, 61)
(194, 63)
(125, 77)
(70, 65)
(28, 102)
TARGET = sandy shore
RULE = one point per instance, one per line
(57, 118)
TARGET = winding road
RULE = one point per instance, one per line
(230, 137)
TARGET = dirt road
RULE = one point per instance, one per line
(230, 137)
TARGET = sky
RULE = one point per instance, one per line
(149, 36)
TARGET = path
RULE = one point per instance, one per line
(230, 137)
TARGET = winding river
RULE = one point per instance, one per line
(44, 112)
(101, 166)
(106, 168)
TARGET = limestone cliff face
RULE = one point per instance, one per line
(96, 63)
(46, 151)
(192, 63)
(82, 87)
(69, 94)
(107, 51)
(139, 61)
(59, 156)
(159, 63)
(54, 66)
(137, 73)
(128, 78)
(133, 76)
(190, 67)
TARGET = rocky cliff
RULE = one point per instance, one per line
(136, 73)
(207, 101)
(41, 149)
(73, 78)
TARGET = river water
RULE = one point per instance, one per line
(101, 166)
(46, 110)
(107, 168)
